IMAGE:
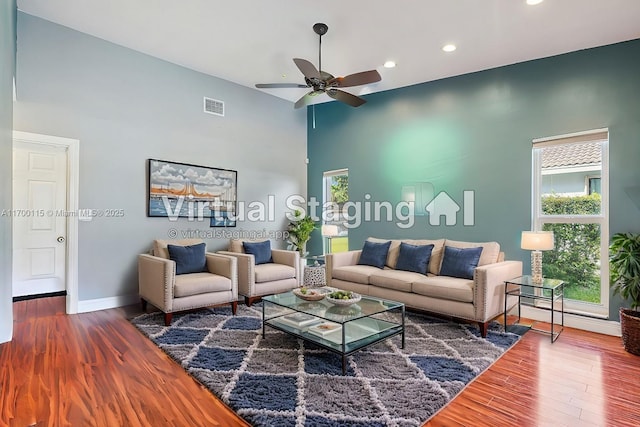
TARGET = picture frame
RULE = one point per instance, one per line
(183, 190)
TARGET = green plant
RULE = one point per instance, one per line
(300, 229)
(624, 264)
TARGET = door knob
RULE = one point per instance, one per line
(60, 239)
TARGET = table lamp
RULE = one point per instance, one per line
(536, 241)
(329, 231)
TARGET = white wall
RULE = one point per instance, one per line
(7, 62)
(126, 107)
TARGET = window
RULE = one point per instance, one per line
(335, 195)
(594, 185)
(570, 198)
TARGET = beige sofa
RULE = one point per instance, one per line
(254, 281)
(480, 299)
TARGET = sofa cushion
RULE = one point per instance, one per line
(235, 245)
(394, 279)
(490, 250)
(374, 254)
(270, 272)
(160, 246)
(394, 251)
(458, 262)
(414, 258)
(200, 283)
(261, 251)
(354, 273)
(394, 248)
(188, 259)
(444, 287)
(436, 252)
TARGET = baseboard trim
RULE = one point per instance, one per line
(36, 296)
(600, 326)
(106, 303)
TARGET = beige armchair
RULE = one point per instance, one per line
(254, 281)
(170, 292)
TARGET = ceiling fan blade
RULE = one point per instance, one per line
(305, 99)
(307, 68)
(346, 97)
(358, 79)
(278, 85)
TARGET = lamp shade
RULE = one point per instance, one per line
(537, 240)
(329, 230)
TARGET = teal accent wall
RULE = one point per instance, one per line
(7, 70)
(474, 133)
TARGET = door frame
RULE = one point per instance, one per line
(73, 182)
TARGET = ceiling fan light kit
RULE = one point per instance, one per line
(322, 82)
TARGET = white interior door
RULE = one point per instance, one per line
(39, 218)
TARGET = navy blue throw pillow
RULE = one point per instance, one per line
(459, 262)
(189, 259)
(414, 258)
(374, 254)
(261, 251)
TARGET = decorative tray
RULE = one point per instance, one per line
(343, 298)
(308, 294)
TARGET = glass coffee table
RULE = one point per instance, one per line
(339, 329)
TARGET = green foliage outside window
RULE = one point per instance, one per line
(340, 189)
(576, 257)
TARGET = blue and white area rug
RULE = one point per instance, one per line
(282, 381)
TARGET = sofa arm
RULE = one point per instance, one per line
(156, 279)
(224, 265)
(246, 272)
(489, 288)
(339, 259)
(290, 258)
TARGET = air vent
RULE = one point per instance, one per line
(213, 106)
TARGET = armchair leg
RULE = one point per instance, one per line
(167, 319)
(143, 303)
(234, 307)
(250, 300)
(484, 328)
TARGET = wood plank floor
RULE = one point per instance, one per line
(96, 369)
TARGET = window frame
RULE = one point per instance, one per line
(326, 196)
(602, 219)
(589, 178)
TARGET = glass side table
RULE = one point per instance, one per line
(550, 290)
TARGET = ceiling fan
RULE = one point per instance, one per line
(322, 82)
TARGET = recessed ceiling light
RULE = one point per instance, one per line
(534, 2)
(449, 47)
(389, 64)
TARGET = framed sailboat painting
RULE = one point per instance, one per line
(200, 193)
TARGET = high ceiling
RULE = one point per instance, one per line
(254, 41)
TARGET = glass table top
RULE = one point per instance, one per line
(528, 281)
(367, 306)
(314, 261)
